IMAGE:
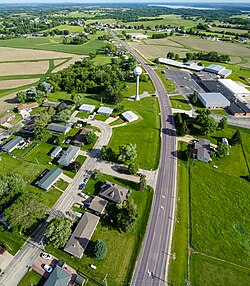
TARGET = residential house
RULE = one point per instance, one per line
(69, 156)
(81, 236)
(59, 128)
(58, 277)
(6, 118)
(113, 192)
(201, 150)
(80, 138)
(56, 152)
(12, 144)
(50, 178)
(98, 205)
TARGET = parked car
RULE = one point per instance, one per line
(47, 268)
(82, 186)
(46, 256)
(2, 250)
(85, 180)
(83, 195)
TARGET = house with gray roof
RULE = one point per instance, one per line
(50, 178)
(201, 150)
(130, 116)
(56, 152)
(58, 277)
(105, 110)
(69, 156)
(58, 128)
(87, 108)
(12, 144)
(113, 192)
(98, 205)
(81, 236)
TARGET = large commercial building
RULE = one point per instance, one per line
(213, 100)
(219, 70)
(237, 90)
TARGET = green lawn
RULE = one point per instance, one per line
(219, 211)
(178, 266)
(32, 278)
(145, 132)
(117, 122)
(102, 59)
(101, 117)
(220, 112)
(208, 272)
(179, 102)
(169, 85)
(123, 248)
(82, 114)
(11, 241)
(143, 87)
(62, 185)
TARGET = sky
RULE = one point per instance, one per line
(124, 1)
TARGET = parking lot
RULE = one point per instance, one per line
(183, 81)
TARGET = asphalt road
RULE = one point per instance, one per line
(152, 266)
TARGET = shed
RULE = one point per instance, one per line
(105, 110)
(50, 178)
(87, 108)
(56, 151)
(130, 116)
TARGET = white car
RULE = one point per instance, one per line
(83, 195)
(46, 256)
(47, 268)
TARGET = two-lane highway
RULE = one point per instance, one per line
(152, 266)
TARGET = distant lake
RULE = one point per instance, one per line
(183, 7)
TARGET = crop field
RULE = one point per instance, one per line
(13, 83)
(71, 29)
(231, 30)
(24, 68)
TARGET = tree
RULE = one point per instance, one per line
(183, 130)
(96, 174)
(223, 123)
(11, 186)
(26, 211)
(207, 123)
(176, 57)
(75, 166)
(142, 185)
(222, 149)
(107, 153)
(63, 115)
(132, 168)
(58, 232)
(194, 97)
(89, 137)
(77, 99)
(40, 131)
(99, 249)
(170, 55)
(21, 96)
(45, 87)
(236, 138)
(127, 153)
(127, 215)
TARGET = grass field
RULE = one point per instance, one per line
(208, 271)
(179, 102)
(145, 132)
(169, 85)
(123, 248)
(219, 221)
(178, 266)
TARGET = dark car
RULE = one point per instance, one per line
(82, 186)
(2, 250)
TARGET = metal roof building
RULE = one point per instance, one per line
(12, 144)
(129, 116)
(68, 156)
(87, 108)
(81, 236)
(218, 69)
(213, 100)
(58, 128)
(105, 110)
(50, 178)
(234, 87)
(177, 64)
(56, 151)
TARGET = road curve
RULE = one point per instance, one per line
(152, 266)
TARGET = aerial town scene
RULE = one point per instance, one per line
(124, 143)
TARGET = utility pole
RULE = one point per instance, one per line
(105, 280)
